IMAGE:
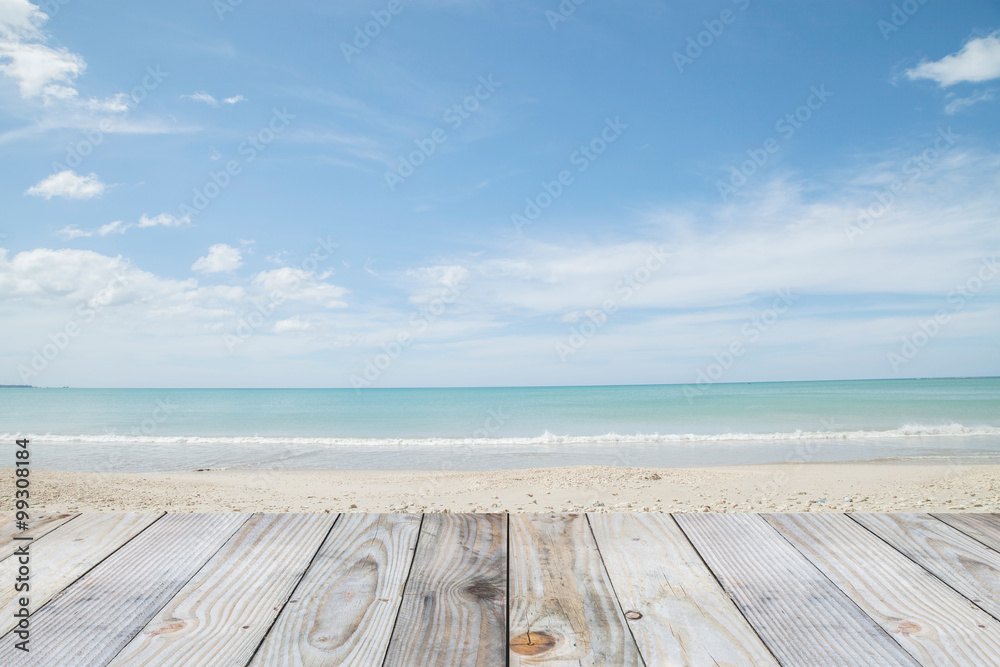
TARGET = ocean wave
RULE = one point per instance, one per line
(547, 438)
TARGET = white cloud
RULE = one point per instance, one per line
(291, 324)
(724, 264)
(116, 227)
(164, 220)
(979, 60)
(299, 285)
(20, 18)
(441, 275)
(119, 227)
(202, 96)
(68, 184)
(961, 103)
(38, 70)
(221, 258)
(437, 281)
(73, 232)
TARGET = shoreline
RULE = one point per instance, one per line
(777, 487)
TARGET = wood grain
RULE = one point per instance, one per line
(348, 600)
(802, 617)
(957, 559)
(40, 524)
(927, 618)
(60, 557)
(88, 623)
(222, 614)
(982, 527)
(682, 615)
(454, 604)
(563, 607)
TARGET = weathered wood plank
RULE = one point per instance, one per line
(40, 524)
(957, 559)
(222, 614)
(930, 620)
(454, 605)
(563, 607)
(683, 616)
(348, 600)
(802, 617)
(88, 623)
(62, 556)
(982, 527)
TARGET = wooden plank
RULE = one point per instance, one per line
(982, 527)
(347, 601)
(40, 524)
(455, 601)
(563, 607)
(930, 620)
(960, 561)
(680, 615)
(222, 614)
(62, 556)
(802, 617)
(93, 619)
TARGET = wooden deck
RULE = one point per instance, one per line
(498, 589)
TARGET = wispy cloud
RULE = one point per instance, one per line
(202, 96)
(119, 227)
(960, 103)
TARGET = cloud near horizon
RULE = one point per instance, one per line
(724, 264)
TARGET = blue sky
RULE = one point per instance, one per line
(497, 193)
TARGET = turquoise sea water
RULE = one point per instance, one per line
(663, 425)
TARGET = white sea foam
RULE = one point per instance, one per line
(908, 431)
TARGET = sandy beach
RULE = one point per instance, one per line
(851, 487)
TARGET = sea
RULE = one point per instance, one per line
(158, 430)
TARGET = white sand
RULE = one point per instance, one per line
(872, 487)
